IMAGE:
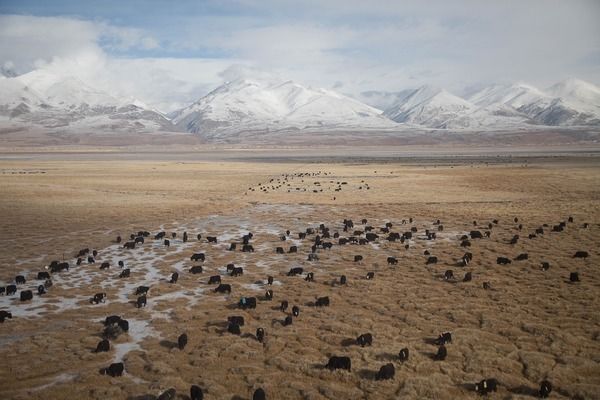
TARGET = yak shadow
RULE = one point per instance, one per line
(348, 342)
(232, 306)
(236, 397)
(248, 336)
(431, 355)
(525, 391)
(469, 387)
(386, 357)
(168, 344)
(310, 304)
(431, 341)
(367, 374)
(218, 324)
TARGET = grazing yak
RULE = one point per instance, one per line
(269, 295)
(573, 277)
(105, 265)
(370, 275)
(322, 302)
(336, 362)
(366, 339)
(142, 290)
(234, 329)
(403, 355)
(503, 261)
(387, 371)
(259, 394)
(11, 289)
(269, 280)
(293, 249)
(43, 275)
(247, 302)
(468, 277)
(125, 273)
(287, 321)
(392, 261)
(581, 254)
(197, 269)
(343, 280)
(260, 335)
(236, 319)
(211, 239)
(223, 288)
(431, 260)
(545, 389)
(98, 298)
(196, 393)
(358, 258)
(295, 271)
(114, 369)
(522, 257)
(103, 346)
(141, 301)
(476, 235)
(182, 341)
(214, 279)
(20, 280)
(279, 250)
(448, 275)
(284, 305)
(487, 285)
(237, 271)
(197, 257)
(4, 315)
(41, 290)
(174, 277)
(310, 277)
(443, 338)
(295, 311)
(486, 386)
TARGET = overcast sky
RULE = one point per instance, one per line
(169, 53)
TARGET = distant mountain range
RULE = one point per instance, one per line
(49, 101)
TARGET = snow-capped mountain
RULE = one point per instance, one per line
(54, 101)
(248, 104)
(428, 106)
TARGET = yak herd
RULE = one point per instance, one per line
(318, 239)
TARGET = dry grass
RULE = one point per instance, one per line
(532, 324)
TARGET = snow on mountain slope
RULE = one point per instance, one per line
(54, 101)
(428, 106)
(514, 96)
(581, 94)
(248, 104)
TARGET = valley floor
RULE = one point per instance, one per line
(531, 325)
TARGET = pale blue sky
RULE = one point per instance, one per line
(352, 45)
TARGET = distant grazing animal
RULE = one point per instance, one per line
(336, 362)
(232, 247)
(91, 260)
(370, 275)
(174, 277)
(279, 250)
(211, 239)
(581, 254)
(41, 290)
(295, 271)
(196, 393)
(465, 243)
(142, 290)
(167, 243)
(247, 302)
(234, 329)
(230, 267)
(2, 289)
(197, 269)
(486, 386)
(214, 279)
(284, 305)
(103, 345)
(11, 289)
(168, 394)
(259, 394)
(182, 341)
(269, 295)
(43, 275)
(545, 389)
(522, 256)
(392, 261)
(545, 265)
(139, 239)
(343, 280)
(322, 302)
(26, 295)
(223, 288)
(125, 273)
(48, 283)
(121, 263)
(114, 369)
(431, 260)
(441, 353)
(503, 260)
(247, 248)
(310, 277)
(98, 298)
(403, 355)
(105, 265)
(487, 285)
(260, 335)
(468, 277)
(443, 338)
(287, 321)
(366, 339)
(449, 274)
(371, 237)
(358, 258)
(185, 237)
(269, 280)
(573, 277)
(129, 245)
(197, 257)
(111, 319)
(237, 271)
(295, 311)
(159, 235)
(387, 371)
(4, 315)
(476, 235)
(141, 301)
(199, 236)
(293, 249)
(20, 280)
(313, 257)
